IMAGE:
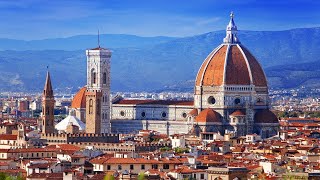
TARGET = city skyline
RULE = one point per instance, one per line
(54, 19)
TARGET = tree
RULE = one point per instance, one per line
(141, 176)
(108, 177)
(165, 149)
(181, 150)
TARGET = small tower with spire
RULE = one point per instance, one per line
(232, 30)
(48, 107)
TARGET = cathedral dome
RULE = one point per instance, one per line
(79, 100)
(265, 116)
(208, 116)
(231, 64)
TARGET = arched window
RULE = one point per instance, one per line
(90, 106)
(93, 77)
(104, 78)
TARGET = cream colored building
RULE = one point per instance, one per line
(134, 165)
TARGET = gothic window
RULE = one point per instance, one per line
(104, 78)
(90, 106)
(93, 77)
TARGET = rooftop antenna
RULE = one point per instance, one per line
(98, 38)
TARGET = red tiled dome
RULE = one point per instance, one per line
(79, 100)
(265, 116)
(237, 113)
(208, 115)
(230, 64)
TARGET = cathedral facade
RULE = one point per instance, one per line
(230, 95)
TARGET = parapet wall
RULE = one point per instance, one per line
(101, 138)
(123, 147)
(81, 137)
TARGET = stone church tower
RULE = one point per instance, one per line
(98, 90)
(48, 107)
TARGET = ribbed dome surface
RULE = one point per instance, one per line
(79, 100)
(231, 64)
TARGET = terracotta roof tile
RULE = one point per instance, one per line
(208, 115)
(265, 116)
(8, 137)
(193, 112)
(237, 113)
(79, 100)
(258, 76)
(237, 72)
(47, 176)
(212, 70)
(65, 147)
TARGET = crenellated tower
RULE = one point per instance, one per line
(98, 90)
(48, 107)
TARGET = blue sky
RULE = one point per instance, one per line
(39, 19)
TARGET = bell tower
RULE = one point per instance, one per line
(48, 107)
(98, 90)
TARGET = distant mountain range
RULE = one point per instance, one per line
(81, 42)
(290, 59)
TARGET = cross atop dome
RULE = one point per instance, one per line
(231, 32)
